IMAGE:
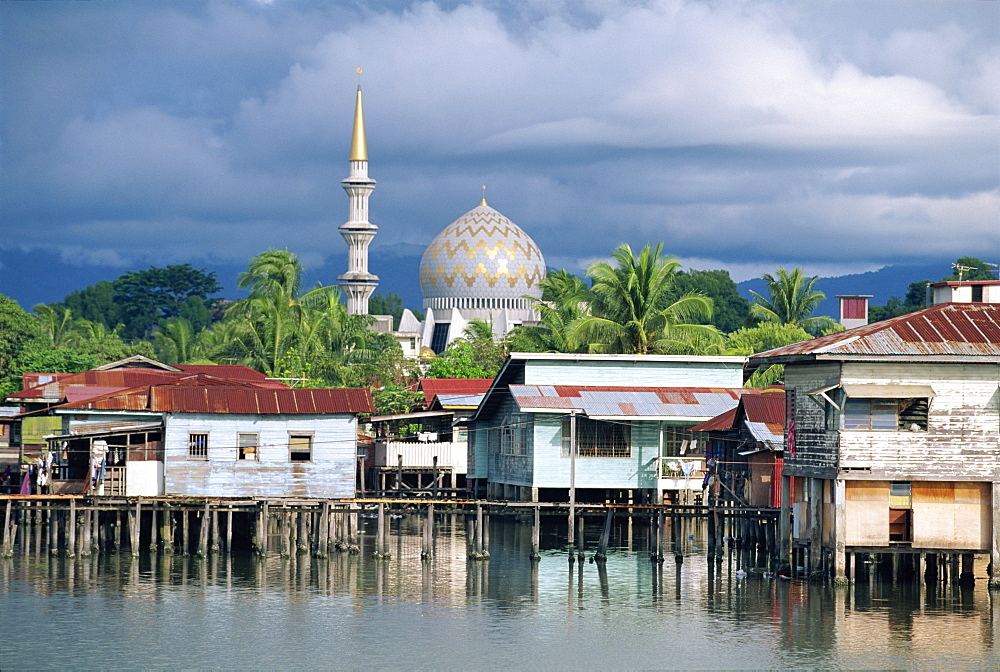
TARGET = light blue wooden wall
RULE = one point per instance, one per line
(641, 374)
(551, 470)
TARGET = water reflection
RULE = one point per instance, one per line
(448, 611)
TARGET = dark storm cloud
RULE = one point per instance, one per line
(837, 135)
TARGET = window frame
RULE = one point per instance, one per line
(198, 449)
(878, 407)
(301, 435)
(240, 456)
(590, 443)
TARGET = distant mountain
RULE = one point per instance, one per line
(881, 284)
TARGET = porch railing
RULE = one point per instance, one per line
(450, 454)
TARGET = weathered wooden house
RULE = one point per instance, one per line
(423, 449)
(747, 445)
(893, 438)
(627, 416)
(183, 433)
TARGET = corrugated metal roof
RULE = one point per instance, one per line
(616, 401)
(459, 400)
(438, 386)
(768, 407)
(947, 329)
(127, 378)
(767, 433)
(171, 398)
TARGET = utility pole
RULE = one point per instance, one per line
(571, 536)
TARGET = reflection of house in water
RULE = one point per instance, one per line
(423, 450)
(197, 434)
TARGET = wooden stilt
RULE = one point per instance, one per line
(536, 531)
(185, 532)
(324, 530)
(152, 529)
(71, 530)
(53, 532)
(229, 530)
(214, 546)
(203, 529)
(133, 528)
(302, 539)
(602, 545)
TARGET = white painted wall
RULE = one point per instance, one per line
(331, 473)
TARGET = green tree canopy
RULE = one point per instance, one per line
(971, 268)
(729, 310)
(146, 297)
(388, 304)
(791, 300)
(632, 312)
(20, 334)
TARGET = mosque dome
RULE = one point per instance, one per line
(481, 260)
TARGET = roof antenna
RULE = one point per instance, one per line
(483, 202)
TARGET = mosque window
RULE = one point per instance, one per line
(439, 339)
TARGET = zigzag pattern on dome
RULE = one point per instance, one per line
(450, 249)
(431, 278)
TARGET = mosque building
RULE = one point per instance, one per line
(482, 266)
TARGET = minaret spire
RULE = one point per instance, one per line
(357, 283)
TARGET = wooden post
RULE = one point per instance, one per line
(677, 533)
(133, 528)
(427, 552)
(470, 535)
(536, 531)
(839, 533)
(785, 522)
(152, 529)
(324, 530)
(580, 537)
(480, 548)
(214, 546)
(167, 529)
(71, 529)
(434, 488)
(206, 522)
(185, 532)
(6, 528)
(53, 531)
(399, 473)
(302, 540)
(602, 545)
(286, 535)
(571, 533)
(661, 534)
(229, 530)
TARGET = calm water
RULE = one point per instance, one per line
(354, 612)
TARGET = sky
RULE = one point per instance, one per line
(837, 136)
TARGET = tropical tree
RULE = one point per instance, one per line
(474, 355)
(565, 298)
(176, 341)
(791, 300)
(631, 311)
(285, 333)
(57, 324)
(765, 336)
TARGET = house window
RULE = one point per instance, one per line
(197, 446)
(598, 438)
(515, 435)
(247, 444)
(300, 447)
(678, 441)
(885, 414)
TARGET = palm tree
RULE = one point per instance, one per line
(177, 341)
(565, 298)
(57, 324)
(792, 301)
(282, 332)
(631, 312)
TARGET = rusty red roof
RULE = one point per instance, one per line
(621, 401)
(435, 386)
(196, 395)
(101, 382)
(945, 330)
(720, 423)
